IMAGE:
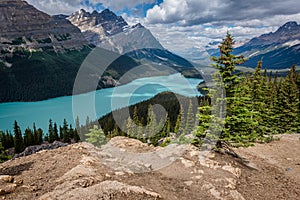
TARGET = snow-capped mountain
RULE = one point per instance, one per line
(107, 30)
(112, 32)
(279, 49)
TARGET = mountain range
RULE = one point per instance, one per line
(107, 30)
(278, 50)
(41, 54)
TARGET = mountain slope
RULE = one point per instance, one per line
(41, 54)
(279, 49)
(22, 24)
(112, 32)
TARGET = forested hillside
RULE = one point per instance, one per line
(252, 108)
(257, 105)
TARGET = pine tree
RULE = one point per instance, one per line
(40, 136)
(151, 122)
(66, 132)
(178, 120)
(19, 144)
(181, 122)
(130, 128)
(190, 119)
(71, 132)
(226, 65)
(51, 132)
(288, 103)
(55, 133)
(61, 133)
(238, 121)
(28, 138)
(35, 135)
(76, 136)
(77, 124)
(96, 136)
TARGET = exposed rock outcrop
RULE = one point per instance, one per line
(22, 25)
(112, 32)
(36, 148)
(82, 171)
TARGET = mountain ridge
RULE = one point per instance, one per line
(22, 25)
(107, 30)
(42, 54)
(278, 50)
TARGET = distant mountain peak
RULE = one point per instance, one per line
(107, 30)
(289, 26)
(280, 49)
(107, 11)
(22, 25)
(82, 11)
(138, 25)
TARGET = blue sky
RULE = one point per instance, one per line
(188, 26)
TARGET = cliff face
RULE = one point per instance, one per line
(107, 30)
(23, 25)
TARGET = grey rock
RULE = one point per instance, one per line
(36, 148)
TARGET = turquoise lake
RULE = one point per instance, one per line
(93, 104)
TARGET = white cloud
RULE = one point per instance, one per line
(183, 11)
(187, 26)
(193, 12)
(54, 7)
(191, 41)
(182, 25)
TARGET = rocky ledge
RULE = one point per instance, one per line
(128, 169)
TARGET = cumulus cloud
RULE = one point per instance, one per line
(187, 26)
(53, 7)
(192, 41)
(192, 12)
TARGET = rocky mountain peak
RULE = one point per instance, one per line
(109, 31)
(107, 21)
(22, 24)
(290, 31)
(138, 25)
(292, 25)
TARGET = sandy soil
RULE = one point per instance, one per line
(81, 171)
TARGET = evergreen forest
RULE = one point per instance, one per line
(238, 110)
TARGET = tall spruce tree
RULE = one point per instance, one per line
(28, 137)
(66, 132)
(226, 63)
(288, 103)
(19, 143)
(238, 120)
(55, 133)
(51, 131)
(96, 136)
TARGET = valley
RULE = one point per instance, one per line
(95, 104)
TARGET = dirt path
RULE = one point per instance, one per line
(278, 174)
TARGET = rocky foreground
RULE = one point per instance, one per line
(128, 169)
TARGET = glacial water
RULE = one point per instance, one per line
(94, 104)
